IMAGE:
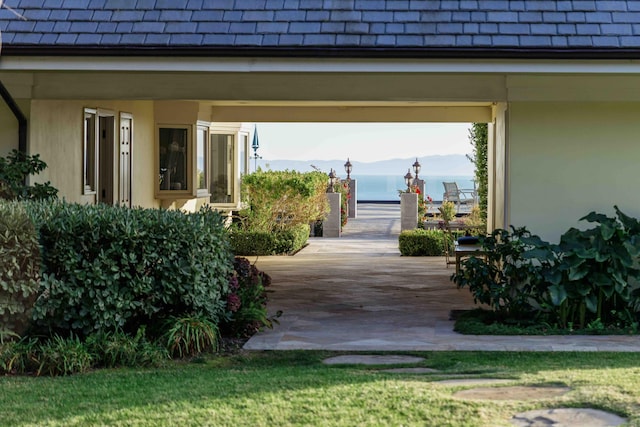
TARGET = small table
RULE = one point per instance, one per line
(465, 251)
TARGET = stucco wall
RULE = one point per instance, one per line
(567, 159)
(56, 129)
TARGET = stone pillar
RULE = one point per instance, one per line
(332, 226)
(353, 201)
(408, 211)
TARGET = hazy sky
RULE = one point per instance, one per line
(364, 142)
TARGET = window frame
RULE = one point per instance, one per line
(189, 158)
(90, 157)
(204, 129)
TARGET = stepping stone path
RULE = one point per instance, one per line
(579, 417)
(512, 393)
(364, 359)
(410, 370)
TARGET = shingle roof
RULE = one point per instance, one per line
(332, 27)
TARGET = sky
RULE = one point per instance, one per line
(364, 142)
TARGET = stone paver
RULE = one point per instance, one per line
(473, 381)
(517, 392)
(365, 359)
(410, 371)
(579, 417)
(356, 293)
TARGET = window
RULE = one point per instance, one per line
(222, 172)
(90, 158)
(173, 159)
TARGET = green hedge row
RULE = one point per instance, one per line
(107, 268)
(421, 242)
(246, 243)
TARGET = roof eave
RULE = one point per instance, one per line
(326, 52)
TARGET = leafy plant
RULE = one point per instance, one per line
(117, 348)
(190, 336)
(599, 275)
(247, 301)
(507, 279)
(19, 356)
(447, 211)
(64, 356)
(590, 278)
(14, 170)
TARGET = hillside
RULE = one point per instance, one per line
(451, 164)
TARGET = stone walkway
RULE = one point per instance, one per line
(357, 293)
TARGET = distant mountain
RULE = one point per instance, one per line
(443, 165)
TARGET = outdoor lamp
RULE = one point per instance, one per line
(332, 180)
(416, 167)
(347, 168)
(408, 178)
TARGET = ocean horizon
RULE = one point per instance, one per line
(384, 188)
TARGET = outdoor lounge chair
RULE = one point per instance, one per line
(458, 196)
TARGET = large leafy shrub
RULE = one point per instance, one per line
(250, 242)
(19, 268)
(107, 268)
(591, 277)
(14, 170)
(276, 200)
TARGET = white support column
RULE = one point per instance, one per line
(332, 227)
(408, 211)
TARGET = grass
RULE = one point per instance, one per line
(295, 388)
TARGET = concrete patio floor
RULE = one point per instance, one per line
(357, 293)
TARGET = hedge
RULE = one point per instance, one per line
(107, 268)
(19, 274)
(246, 243)
(421, 242)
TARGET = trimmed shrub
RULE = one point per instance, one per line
(421, 242)
(277, 200)
(108, 268)
(19, 275)
(246, 242)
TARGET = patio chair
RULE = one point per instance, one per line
(458, 196)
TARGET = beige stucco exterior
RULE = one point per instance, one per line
(569, 158)
(56, 133)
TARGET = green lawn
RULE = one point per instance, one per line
(295, 388)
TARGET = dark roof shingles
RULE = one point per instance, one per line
(410, 24)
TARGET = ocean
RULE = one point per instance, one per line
(384, 188)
